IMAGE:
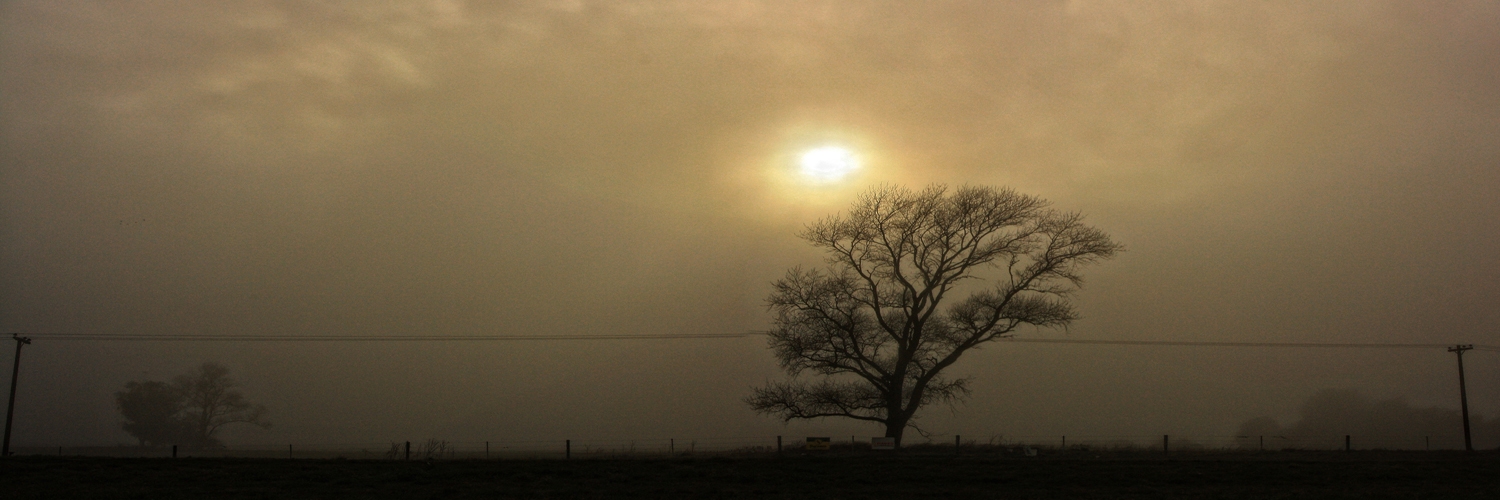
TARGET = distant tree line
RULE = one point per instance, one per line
(189, 411)
(1337, 412)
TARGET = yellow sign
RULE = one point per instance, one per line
(819, 443)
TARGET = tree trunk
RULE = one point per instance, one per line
(894, 427)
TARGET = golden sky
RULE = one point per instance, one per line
(1288, 171)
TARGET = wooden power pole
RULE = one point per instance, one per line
(1463, 393)
(10, 410)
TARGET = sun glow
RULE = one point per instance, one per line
(828, 164)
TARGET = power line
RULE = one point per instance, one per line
(681, 336)
(1191, 343)
(370, 338)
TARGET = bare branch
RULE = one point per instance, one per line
(792, 400)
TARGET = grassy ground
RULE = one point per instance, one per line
(853, 475)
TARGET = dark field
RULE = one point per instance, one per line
(1369, 474)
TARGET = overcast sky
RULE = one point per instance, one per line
(1285, 171)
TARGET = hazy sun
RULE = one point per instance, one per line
(828, 164)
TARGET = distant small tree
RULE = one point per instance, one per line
(191, 410)
(875, 326)
(151, 410)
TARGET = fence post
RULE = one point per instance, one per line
(956, 443)
(1346, 443)
(486, 449)
(174, 451)
(289, 452)
(1262, 443)
(408, 450)
(778, 444)
(567, 449)
(1065, 443)
(1164, 442)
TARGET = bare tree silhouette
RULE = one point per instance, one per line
(211, 401)
(189, 411)
(871, 327)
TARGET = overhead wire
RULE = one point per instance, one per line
(685, 336)
(1195, 343)
(368, 338)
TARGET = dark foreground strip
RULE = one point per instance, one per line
(1272, 475)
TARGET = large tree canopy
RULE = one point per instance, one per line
(151, 410)
(877, 327)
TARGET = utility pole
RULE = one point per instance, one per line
(1463, 393)
(15, 371)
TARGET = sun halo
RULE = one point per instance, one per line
(828, 164)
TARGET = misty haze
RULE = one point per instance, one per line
(441, 171)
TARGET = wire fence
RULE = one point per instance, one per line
(748, 446)
(1188, 443)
